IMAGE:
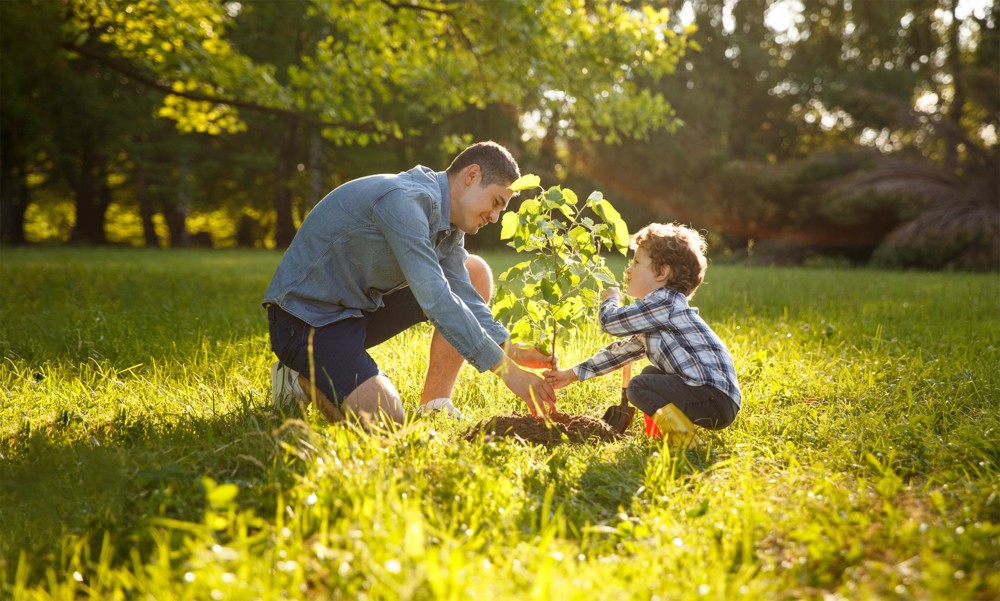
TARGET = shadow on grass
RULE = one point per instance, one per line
(66, 480)
(617, 479)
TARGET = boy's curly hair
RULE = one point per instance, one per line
(678, 246)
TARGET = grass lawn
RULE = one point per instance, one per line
(139, 456)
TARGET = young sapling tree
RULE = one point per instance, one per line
(554, 291)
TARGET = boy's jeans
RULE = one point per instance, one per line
(703, 405)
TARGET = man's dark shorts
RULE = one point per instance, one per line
(340, 360)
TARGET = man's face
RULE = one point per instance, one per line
(478, 206)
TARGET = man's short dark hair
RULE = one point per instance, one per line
(495, 162)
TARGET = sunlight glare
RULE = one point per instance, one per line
(783, 16)
(978, 8)
(927, 103)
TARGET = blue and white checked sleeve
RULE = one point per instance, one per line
(615, 355)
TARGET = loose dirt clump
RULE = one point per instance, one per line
(560, 427)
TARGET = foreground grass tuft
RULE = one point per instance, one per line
(139, 456)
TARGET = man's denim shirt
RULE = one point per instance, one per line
(377, 234)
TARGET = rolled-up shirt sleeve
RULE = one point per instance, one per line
(407, 230)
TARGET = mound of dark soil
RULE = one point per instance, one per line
(561, 427)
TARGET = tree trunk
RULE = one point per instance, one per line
(316, 168)
(176, 225)
(14, 192)
(952, 138)
(14, 199)
(285, 227)
(91, 199)
(147, 209)
(175, 214)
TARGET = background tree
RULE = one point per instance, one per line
(365, 73)
(826, 134)
(28, 82)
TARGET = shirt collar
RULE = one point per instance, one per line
(444, 221)
(665, 292)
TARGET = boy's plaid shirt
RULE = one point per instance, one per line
(670, 332)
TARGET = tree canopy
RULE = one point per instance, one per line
(372, 71)
(369, 73)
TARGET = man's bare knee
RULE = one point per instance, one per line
(481, 276)
(374, 400)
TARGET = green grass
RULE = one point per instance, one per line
(139, 457)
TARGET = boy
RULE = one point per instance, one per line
(691, 367)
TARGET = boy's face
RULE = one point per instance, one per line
(641, 277)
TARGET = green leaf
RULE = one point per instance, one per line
(551, 292)
(567, 210)
(502, 304)
(526, 182)
(521, 331)
(603, 232)
(534, 311)
(514, 272)
(554, 195)
(606, 212)
(509, 226)
(580, 236)
(529, 208)
(564, 314)
(565, 282)
(605, 279)
(621, 236)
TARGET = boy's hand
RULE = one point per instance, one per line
(611, 292)
(529, 357)
(559, 378)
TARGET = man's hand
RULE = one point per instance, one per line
(611, 292)
(560, 378)
(531, 389)
(529, 357)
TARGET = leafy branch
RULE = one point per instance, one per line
(135, 74)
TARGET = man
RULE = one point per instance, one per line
(378, 255)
